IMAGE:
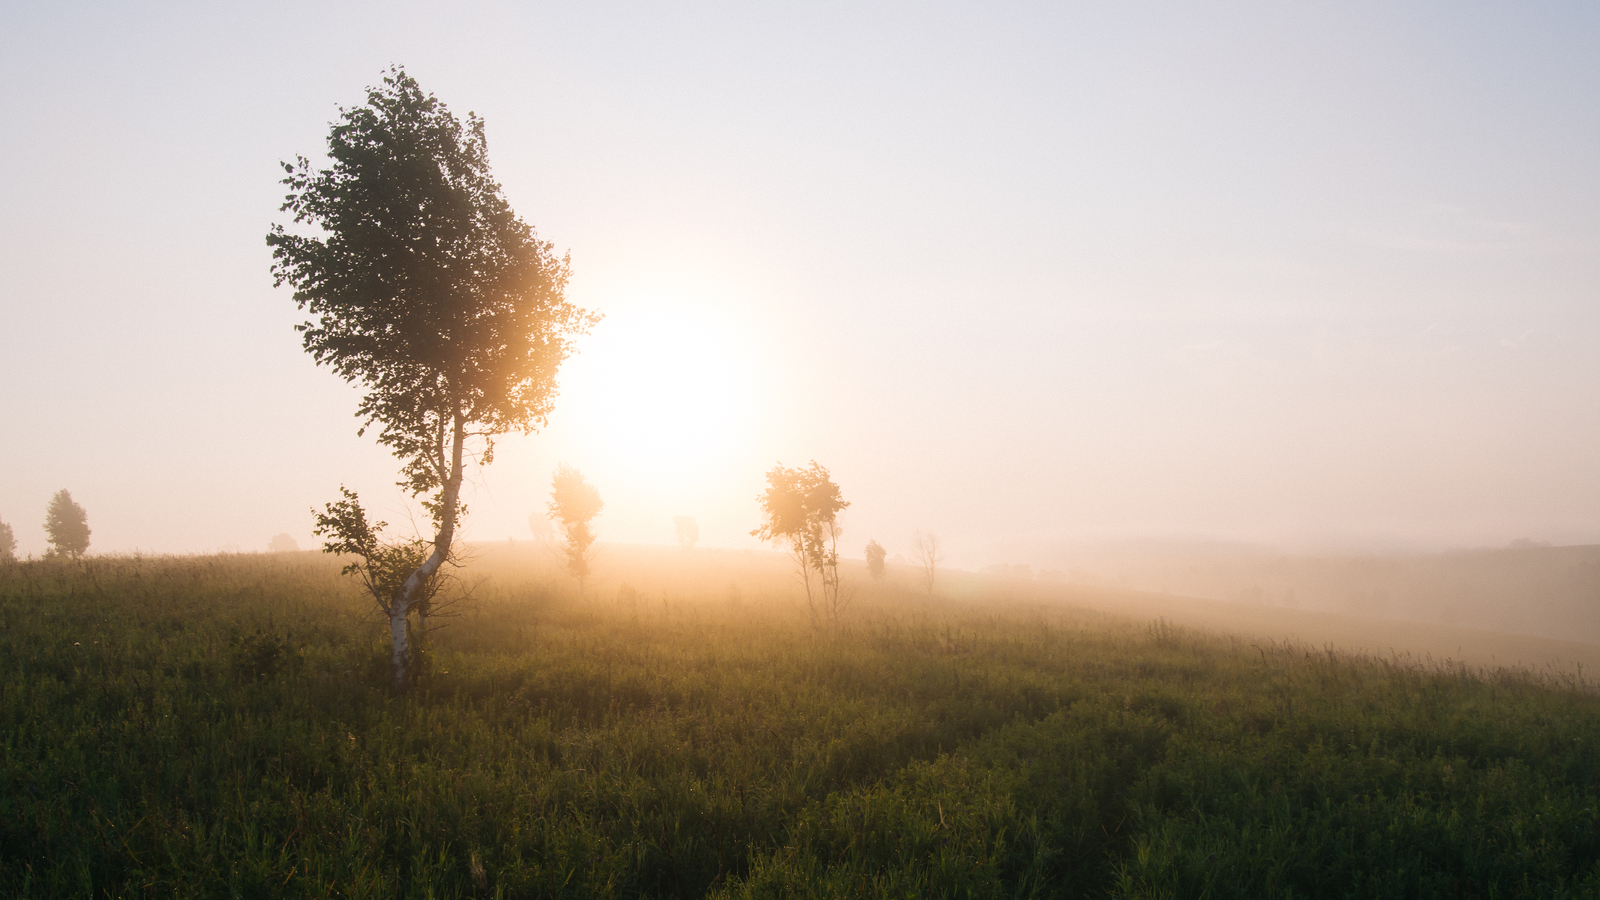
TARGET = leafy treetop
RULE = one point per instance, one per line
(799, 505)
(424, 286)
(67, 525)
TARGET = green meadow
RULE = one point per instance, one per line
(221, 726)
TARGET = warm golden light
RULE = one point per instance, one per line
(664, 388)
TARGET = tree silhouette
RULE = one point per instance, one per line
(875, 556)
(925, 549)
(431, 294)
(800, 508)
(688, 531)
(282, 543)
(8, 543)
(574, 503)
(67, 526)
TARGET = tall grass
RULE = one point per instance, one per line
(219, 726)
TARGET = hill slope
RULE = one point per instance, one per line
(218, 725)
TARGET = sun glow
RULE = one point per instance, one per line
(663, 389)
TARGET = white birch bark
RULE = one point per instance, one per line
(401, 607)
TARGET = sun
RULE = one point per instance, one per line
(663, 388)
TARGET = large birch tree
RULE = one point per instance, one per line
(428, 291)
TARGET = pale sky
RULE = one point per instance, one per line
(1301, 274)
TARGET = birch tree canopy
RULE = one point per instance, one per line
(426, 290)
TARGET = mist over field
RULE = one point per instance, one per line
(1525, 588)
(814, 450)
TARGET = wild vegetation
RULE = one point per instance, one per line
(226, 726)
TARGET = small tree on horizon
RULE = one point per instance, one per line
(67, 526)
(428, 291)
(875, 557)
(574, 503)
(8, 543)
(688, 531)
(283, 542)
(543, 531)
(925, 549)
(801, 510)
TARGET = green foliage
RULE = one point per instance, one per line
(259, 654)
(382, 566)
(426, 287)
(720, 748)
(66, 525)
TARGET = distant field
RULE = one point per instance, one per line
(1370, 634)
(1367, 634)
(218, 726)
(1540, 591)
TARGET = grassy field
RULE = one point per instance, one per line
(218, 726)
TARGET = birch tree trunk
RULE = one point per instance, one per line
(400, 655)
(406, 599)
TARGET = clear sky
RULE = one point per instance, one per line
(1306, 274)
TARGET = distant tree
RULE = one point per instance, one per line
(925, 550)
(875, 557)
(543, 532)
(8, 543)
(433, 295)
(67, 526)
(574, 503)
(688, 531)
(283, 543)
(800, 509)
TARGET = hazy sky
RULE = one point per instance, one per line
(1297, 273)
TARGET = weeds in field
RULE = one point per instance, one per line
(221, 726)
